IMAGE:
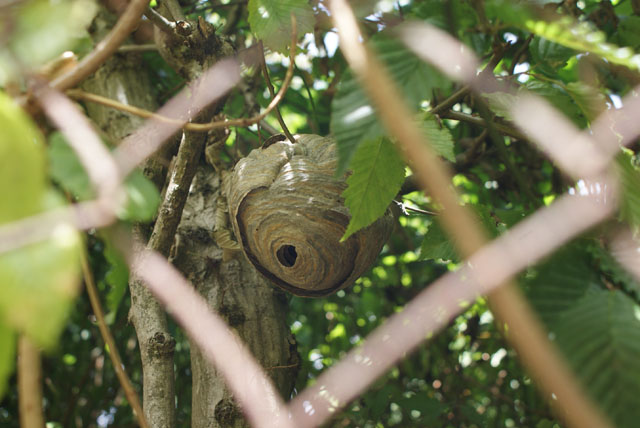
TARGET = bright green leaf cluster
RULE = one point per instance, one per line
(565, 31)
(39, 281)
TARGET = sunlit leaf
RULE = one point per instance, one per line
(42, 30)
(270, 20)
(22, 170)
(353, 119)
(566, 31)
(548, 56)
(378, 173)
(40, 281)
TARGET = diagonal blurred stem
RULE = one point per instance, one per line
(29, 384)
(129, 392)
(528, 337)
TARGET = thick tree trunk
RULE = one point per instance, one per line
(254, 309)
(120, 78)
(234, 289)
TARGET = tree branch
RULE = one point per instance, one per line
(195, 127)
(265, 73)
(463, 117)
(103, 50)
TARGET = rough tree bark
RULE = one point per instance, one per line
(120, 78)
(254, 309)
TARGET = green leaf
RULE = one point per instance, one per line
(117, 277)
(143, 198)
(501, 103)
(39, 282)
(628, 33)
(353, 119)
(590, 101)
(560, 282)
(600, 336)
(630, 179)
(597, 330)
(613, 271)
(548, 56)
(378, 174)
(559, 98)
(437, 245)
(22, 171)
(270, 20)
(66, 169)
(43, 29)
(566, 31)
(439, 137)
(7, 355)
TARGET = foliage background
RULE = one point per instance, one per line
(466, 376)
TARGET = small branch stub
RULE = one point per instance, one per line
(288, 214)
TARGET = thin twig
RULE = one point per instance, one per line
(149, 47)
(463, 117)
(267, 79)
(78, 94)
(503, 152)
(451, 101)
(519, 52)
(315, 123)
(163, 24)
(129, 391)
(29, 384)
(103, 50)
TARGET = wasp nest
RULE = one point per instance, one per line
(288, 214)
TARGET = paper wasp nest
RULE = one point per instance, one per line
(288, 215)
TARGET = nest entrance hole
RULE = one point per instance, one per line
(287, 255)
